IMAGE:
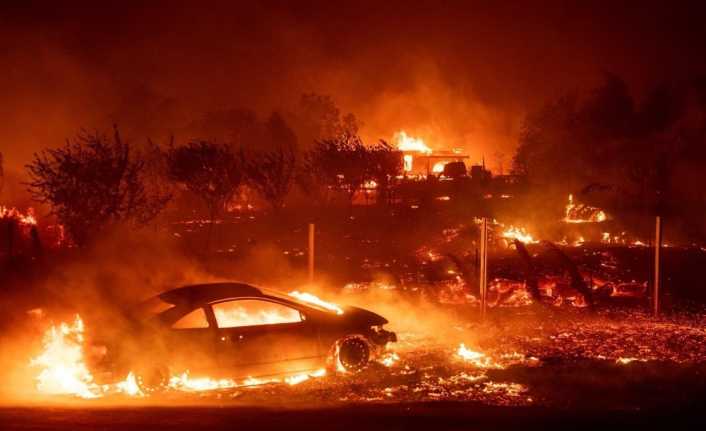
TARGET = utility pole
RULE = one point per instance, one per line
(483, 267)
(311, 252)
(658, 249)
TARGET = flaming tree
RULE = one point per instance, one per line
(91, 183)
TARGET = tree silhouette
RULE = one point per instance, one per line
(92, 182)
(383, 165)
(335, 164)
(271, 172)
(209, 170)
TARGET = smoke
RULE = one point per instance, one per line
(460, 75)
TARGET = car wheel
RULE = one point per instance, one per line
(353, 354)
(153, 379)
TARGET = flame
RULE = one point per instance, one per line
(478, 359)
(580, 213)
(64, 370)
(129, 386)
(389, 359)
(438, 167)
(231, 315)
(408, 143)
(408, 160)
(183, 382)
(518, 233)
(313, 299)
(27, 219)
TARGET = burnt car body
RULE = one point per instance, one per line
(238, 330)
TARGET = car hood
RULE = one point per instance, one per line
(361, 316)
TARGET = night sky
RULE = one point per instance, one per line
(460, 74)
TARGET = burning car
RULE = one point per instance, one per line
(237, 330)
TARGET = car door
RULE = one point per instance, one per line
(192, 341)
(262, 337)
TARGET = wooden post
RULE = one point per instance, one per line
(658, 249)
(483, 282)
(311, 252)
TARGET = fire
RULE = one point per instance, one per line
(315, 300)
(389, 359)
(408, 160)
(27, 219)
(438, 167)
(580, 213)
(519, 234)
(183, 382)
(408, 143)
(130, 387)
(64, 370)
(478, 359)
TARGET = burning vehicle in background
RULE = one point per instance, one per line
(237, 330)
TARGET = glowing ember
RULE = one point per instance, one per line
(519, 234)
(315, 300)
(408, 143)
(580, 213)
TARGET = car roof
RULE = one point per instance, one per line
(202, 293)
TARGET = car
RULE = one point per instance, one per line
(237, 330)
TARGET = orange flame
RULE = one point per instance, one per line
(315, 300)
(27, 219)
(408, 143)
(518, 233)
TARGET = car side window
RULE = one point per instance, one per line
(252, 312)
(193, 320)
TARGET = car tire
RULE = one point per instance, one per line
(153, 379)
(353, 354)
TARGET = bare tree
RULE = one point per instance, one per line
(271, 172)
(338, 164)
(91, 183)
(209, 170)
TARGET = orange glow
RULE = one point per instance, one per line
(315, 300)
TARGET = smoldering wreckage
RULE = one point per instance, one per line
(578, 304)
